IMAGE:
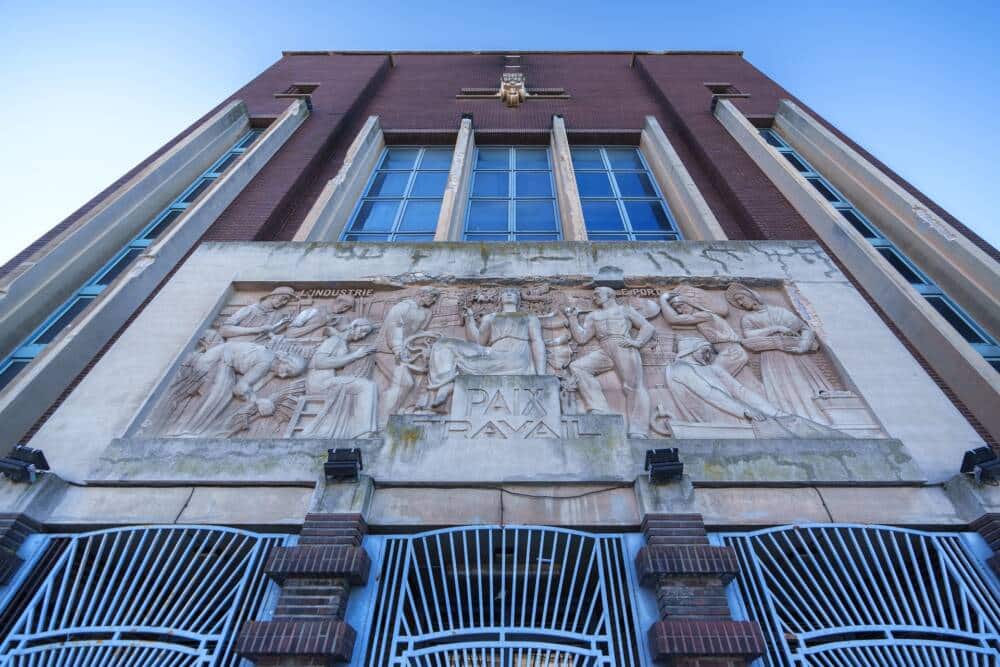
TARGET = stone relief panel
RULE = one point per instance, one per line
(671, 359)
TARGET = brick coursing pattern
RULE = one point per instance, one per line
(988, 525)
(14, 529)
(689, 577)
(316, 576)
(328, 640)
(703, 639)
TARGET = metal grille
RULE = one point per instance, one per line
(839, 595)
(173, 595)
(512, 596)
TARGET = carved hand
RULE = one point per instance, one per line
(572, 311)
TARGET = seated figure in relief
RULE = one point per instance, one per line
(505, 343)
(348, 401)
(705, 392)
(790, 376)
(217, 373)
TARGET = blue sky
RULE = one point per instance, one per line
(90, 89)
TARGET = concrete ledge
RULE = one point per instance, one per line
(411, 453)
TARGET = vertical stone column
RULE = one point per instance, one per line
(316, 576)
(14, 529)
(456, 192)
(988, 525)
(689, 575)
(570, 208)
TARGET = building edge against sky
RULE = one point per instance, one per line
(519, 289)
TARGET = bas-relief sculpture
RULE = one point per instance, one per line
(675, 360)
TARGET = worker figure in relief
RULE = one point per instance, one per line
(612, 324)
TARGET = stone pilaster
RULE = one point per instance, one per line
(689, 575)
(316, 577)
(988, 525)
(14, 529)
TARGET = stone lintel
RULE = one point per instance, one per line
(329, 639)
(655, 562)
(331, 560)
(705, 638)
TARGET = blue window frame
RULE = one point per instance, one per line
(619, 196)
(967, 327)
(402, 200)
(513, 196)
(66, 313)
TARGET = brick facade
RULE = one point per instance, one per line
(988, 525)
(316, 577)
(689, 576)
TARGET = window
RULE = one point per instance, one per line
(68, 312)
(619, 196)
(512, 197)
(403, 197)
(941, 302)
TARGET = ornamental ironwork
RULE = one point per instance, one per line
(169, 595)
(491, 596)
(832, 595)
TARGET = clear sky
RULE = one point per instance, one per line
(89, 89)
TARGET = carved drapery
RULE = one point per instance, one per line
(674, 359)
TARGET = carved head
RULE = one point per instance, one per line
(342, 303)
(287, 365)
(279, 297)
(680, 304)
(428, 296)
(359, 328)
(602, 295)
(743, 297)
(510, 297)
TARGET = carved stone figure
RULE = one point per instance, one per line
(791, 378)
(404, 320)
(688, 306)
(707, 392)
(513, 90)
(315, 318)
(296, 363)
(505, 343)
(219, 372)
(612, 324)
(256, 320)
(348, 404)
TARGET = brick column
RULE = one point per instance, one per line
(14, 528)
(690, 575)
(988, 525)
(316, 576)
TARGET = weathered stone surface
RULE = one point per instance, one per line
(427, 448)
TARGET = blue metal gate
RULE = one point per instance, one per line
(490, 596)
(170, 595)
(846, 595)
